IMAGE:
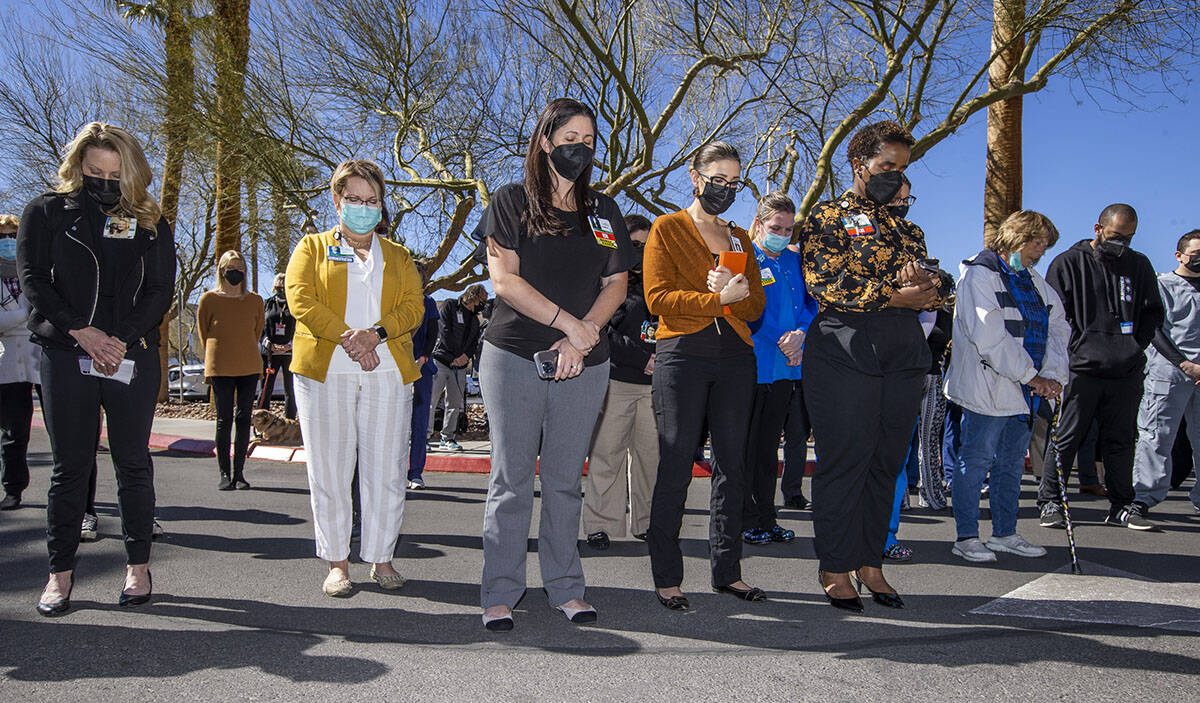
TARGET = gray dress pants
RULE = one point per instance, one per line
(529, 417)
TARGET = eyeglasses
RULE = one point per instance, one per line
(355, 200)
(719, 181)
(907, 200)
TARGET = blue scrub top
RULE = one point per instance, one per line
(789, 307)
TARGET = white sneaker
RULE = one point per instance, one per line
(973, 550)
(156, 531)
(1015, 544)
(87, 531)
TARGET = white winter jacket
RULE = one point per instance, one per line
(18, 356)
(989, 363)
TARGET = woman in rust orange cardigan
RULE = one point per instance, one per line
(704, 369)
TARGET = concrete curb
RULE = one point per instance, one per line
(441, 463)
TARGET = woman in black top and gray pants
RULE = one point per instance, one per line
(557, 253)
(97, 260)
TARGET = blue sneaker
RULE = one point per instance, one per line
(778, 534)
(756, 535)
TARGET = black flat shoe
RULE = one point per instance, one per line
(10, 502)
(503, 623)
(678, 603)
(640, 535)
(890, 600)
(753, 595)
(130, 600)
(599, 540)
(854, 605)
(55, 608)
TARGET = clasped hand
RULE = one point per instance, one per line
(106, 351)
(732, 288)
(1045, 387)
(360, 347)
(917, 288)
(792, 346)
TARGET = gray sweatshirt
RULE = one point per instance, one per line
(1179, 337)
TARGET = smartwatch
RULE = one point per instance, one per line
(379, 330)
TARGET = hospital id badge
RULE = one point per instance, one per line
(336, 253)
(858, 225)
(602, 230)
(280, 330)
(767, 276)
(1126, 328)
(120, 227)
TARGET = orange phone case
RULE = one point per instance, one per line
(735, 261)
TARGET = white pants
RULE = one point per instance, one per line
(360, 418)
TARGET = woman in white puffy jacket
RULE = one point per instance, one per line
(1010, 353)
(18, 371)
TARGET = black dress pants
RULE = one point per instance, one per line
(229, 391)
(16, 412)
(281, 363)
(1113, 404)
(771, 401)
(72, 404)
(864, 375)
(795, 445)
(687, 390)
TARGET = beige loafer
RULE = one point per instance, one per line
(388, 582)
(336, 587)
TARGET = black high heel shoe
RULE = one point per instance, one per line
(890, 600)
(854, 604)
(129, 600)
(60, 606)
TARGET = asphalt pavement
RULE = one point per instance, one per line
(238, 613)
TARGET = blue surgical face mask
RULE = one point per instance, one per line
(8, 248)
(1014, 261)
(361, 219)
(775, 243)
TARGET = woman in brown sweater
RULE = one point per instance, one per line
(230, 323)
(704, 369)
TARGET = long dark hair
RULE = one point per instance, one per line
(539, 214)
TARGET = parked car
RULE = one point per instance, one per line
(190, 381)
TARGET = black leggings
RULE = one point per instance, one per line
(224, 390)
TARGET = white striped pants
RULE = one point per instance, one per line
(362, 418)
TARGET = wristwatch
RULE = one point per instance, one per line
(379, 330)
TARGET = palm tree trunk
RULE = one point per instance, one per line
(180, 91)
(232, 51)
(281, 236)
(1002, 179)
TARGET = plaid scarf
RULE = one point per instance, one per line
(1036, 317)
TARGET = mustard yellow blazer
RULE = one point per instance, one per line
(316, 295)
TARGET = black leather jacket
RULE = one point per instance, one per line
(60, 272)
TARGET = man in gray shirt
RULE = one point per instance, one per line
(1172, 391)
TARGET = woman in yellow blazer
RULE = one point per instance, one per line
(356, 297)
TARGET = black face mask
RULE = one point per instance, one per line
(234, 277)
(571, 160)
(1113, 248)
(638, 255)
(882, 187)
(898, 211)
(716, 199)
(1193, 263)
(279, 293)
(103, 190)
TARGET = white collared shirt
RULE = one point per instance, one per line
(364, 289)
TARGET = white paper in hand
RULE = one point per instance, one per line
(124, 374)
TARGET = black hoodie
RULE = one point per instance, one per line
(1098, 296)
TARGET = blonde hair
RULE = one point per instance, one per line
(360, 168)
(135, 170)
(1019, 229)
(223, 265)
(7, 220)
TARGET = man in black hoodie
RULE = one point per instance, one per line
(1110, 295)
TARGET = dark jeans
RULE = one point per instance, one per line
(1113, 403)
(795, 445)
(767, 417)
(16, 413)
(72, 403)
(688, 389)
(864, 376)
(422, 395)
(225, 388)
(281, 363)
